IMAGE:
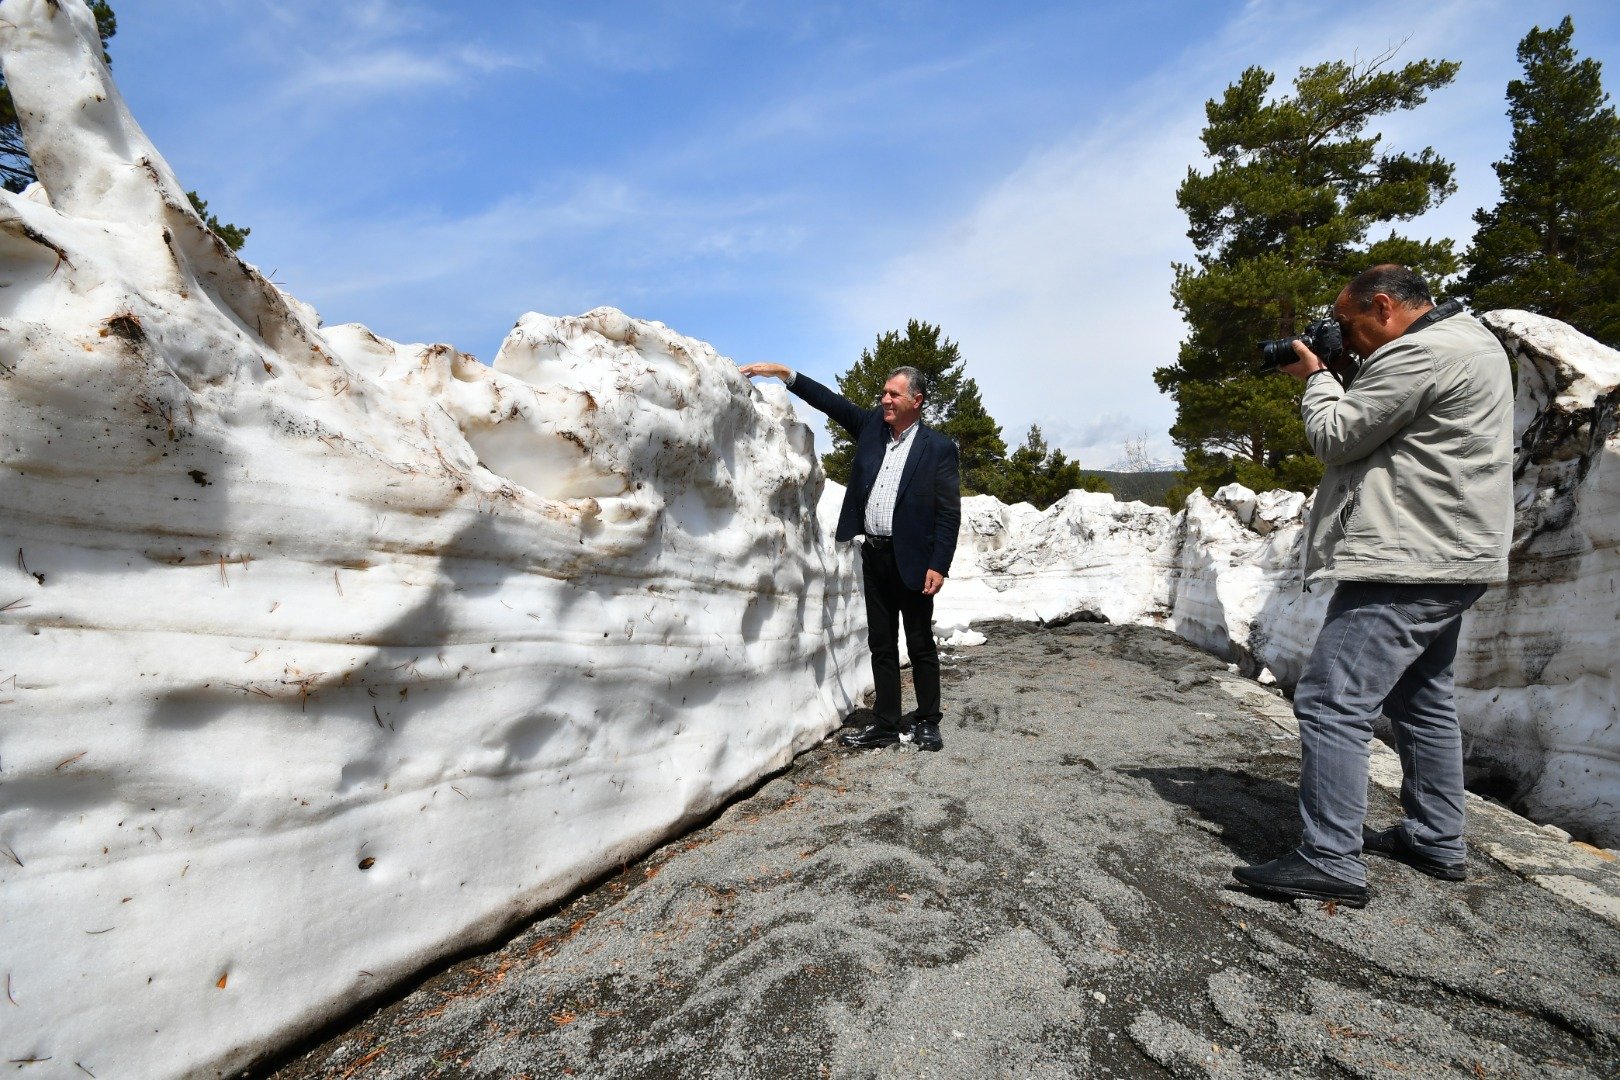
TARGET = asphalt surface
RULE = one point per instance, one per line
(1049, 896)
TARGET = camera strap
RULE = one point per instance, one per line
(1434, 315)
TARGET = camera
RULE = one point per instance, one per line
(1322, 337)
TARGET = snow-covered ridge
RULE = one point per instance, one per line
(1536, 684)
(322, 655)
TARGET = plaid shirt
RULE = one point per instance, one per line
(886, 488)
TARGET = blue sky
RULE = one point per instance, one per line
(783, 180)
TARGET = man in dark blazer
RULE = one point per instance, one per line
(905, 500)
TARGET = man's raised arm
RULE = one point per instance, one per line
(839, 408)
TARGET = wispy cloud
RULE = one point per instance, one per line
(1054, 282)
(353, 51)
(389, 70)
(463, 277)
(616, 46)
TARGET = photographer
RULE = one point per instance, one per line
(1411, 521)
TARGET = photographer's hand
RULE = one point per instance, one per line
(1307, 365)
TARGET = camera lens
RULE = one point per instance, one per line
(1279, 352)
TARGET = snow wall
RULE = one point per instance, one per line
(323, 656)
(1536, 684)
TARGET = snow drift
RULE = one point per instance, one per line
(321, 655)
(1536, 674)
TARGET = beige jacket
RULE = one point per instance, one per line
(1419, 456)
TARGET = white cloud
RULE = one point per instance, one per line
(376, 72)
(463, 275)
(366, 70)
(734, 242)
(1056, 283)
(371, 48)
(390, 263)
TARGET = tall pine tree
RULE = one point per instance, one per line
(982, 453)
(1280, 223)
(953, 406)
(1552, 244)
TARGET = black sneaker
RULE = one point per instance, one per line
(1292, 876)
(872, 736)
(1393, 844)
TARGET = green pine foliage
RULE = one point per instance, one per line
(17, 171)
(1552, 244)
(1280, 222)
(233, 235)
(1039, 475)
(981, 451)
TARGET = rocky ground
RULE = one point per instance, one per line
(1048, 896)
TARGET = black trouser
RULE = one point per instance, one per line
(887, 602)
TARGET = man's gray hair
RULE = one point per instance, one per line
(1397, 282)
(916, 381)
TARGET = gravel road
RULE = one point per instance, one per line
(1047, 897)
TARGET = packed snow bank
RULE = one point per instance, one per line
(1236, 589)
(1536, 685)
(1536, 673)
(322, 656)
(1085, 553)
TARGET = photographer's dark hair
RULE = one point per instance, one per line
(1397, 282)
(915, 380)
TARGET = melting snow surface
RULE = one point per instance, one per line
(321, 655)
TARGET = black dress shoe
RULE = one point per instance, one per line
(1393, 844)
(1291, 875)
(925, 736)
(871, 736)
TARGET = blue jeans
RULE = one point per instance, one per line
(1384, 647)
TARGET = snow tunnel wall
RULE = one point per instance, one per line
(323, 656)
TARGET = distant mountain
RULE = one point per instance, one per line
(1152, 465)
(1148, 486)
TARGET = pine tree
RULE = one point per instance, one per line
(982, 453)
(17, 171)
(1040, 476)
(233, 235)
(1552, 244)
(1280, 223)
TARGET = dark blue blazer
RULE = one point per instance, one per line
(928, 508)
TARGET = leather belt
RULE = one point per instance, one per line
(880, 543)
